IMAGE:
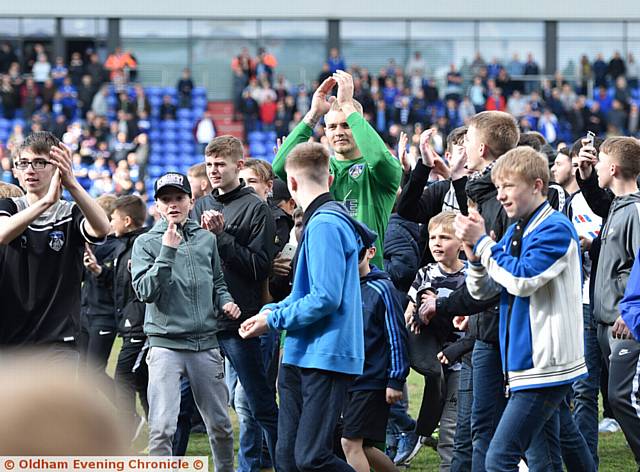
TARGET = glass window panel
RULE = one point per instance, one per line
(224, 29)
(441, 29)
(511, 29)
(293, 29)
(570, 51)
(299, 60)
(374, 54)
(440, 53)
(38, 26)
(633, 30)
(160, 62)
(373, 29)
(588, 30)
(9, 27)
(504, 50)
(211, 65)
(103, 26)
(79, 26)
(153, 28)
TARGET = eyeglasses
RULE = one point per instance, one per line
(36, 164)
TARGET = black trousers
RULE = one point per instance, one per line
(131, 376)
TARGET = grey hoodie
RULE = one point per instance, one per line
(183, 287)
(620, 244)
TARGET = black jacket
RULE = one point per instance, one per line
(280, 286)
(420, 202)
(246, 246)
(401, 251)
(129, 311)
(97, 303)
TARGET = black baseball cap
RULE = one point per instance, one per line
(172, 180)
(280, 191)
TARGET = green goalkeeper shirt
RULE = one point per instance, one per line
(367, 185)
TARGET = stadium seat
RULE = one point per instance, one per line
(184, 114)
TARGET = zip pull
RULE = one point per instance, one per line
(507, 388)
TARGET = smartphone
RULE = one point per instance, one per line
(591, 137)
(288, 251)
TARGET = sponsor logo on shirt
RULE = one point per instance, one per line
(56, 240)
(356, 170)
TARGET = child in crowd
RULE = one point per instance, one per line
(536, 269)
(173, 267)
(437, 279)
(386, 367)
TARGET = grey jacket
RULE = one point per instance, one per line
(176, 283)
(620, 244)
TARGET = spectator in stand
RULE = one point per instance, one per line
(167, 109)
(245, 63)
(584, 74)
(250, 109)
(141, 102)
(86, 92)
(185, 88)
(76, 69)
(7, 56)
(96, 70)
(266, 64)
(325, 72)
(59, 72)
(548, 126)
(99, 103)
(454, 84)
(617, 118)
(41, 69)
(69, 96)
(335, 61)
(416, 65)
(496, 101)
(239, 83)
(117, 62)
(142, 153)
(531, 68)
(29, 97)
(268, 114)
(494, 68)
(204, 131)
(600, 71)
(616, 67)
(9, 96)
(634, 120)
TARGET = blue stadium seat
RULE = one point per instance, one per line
(154, 134)
(168, 125)
(185, 135)
(186, 147)
(270, 137)
(184, 114)
(256, 137)
(257, 149)
(171, 91)
(5, 124)
(199, 92)
(171, 147)
(186, 125)
(19, 121)
(156, 159)
(169, 135)
(155, 171)
(155, 100)
(153, 91)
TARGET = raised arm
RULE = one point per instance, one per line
(320, 104)
(96, 221)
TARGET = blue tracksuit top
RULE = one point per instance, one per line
(323, 314)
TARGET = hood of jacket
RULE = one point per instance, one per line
(480, 187)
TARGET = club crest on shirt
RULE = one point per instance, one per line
(56, 240)
(356, 170)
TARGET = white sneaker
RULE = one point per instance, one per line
(522, 466)
(608, 425)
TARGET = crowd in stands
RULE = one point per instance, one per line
(114, 126)
(598, 96)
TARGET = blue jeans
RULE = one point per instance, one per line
(529, 421)
(462, 446)
(585, 391)
(575, 451)
(311, 402)
(246, 357)
(399, 420)
(488, 399)
(250, 449)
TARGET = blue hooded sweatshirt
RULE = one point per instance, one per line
(323, 314)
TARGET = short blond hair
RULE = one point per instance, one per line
(225, 146)
(261, 168)
(524, 163)
(312, 159)
(10, 190)
(444, 220)
(107, 202)
(498, 130)
(625, 152)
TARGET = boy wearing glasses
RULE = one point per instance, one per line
(41, 246)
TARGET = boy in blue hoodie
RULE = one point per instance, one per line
(324, 347)
(172, 267)
(386, 367)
